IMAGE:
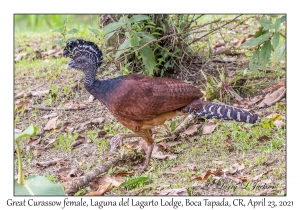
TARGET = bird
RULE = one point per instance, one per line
(141, 102)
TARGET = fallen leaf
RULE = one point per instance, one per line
(24, 103)
(205, 177)
(191, 130)
(98, 120)
(47, 163)
(273, 97)
(39, 93)
(263, 139)
(279, 123)
(228, 144)
(124, 173)
(229, 59)
(277, 86)
(19, 56)
(78, 141)
(178, 191)
(236, 167)
(51, 124)
(106, 183)
(63, 172)
(47, 116)
(208, 128)
(74, 105)
(241, 41)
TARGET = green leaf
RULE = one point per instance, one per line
(134, 181)
(134, 41)
(38, 185)
(260, 32)
(282, 18)
(275, 39)
(265, 53)
(257, 41)
(123, 48)
(73, 31)
(65, 21)
(267, 24)
(279, 53)
(30, 131)
(272, 15)
(60, 30)
(148, 59)
(111, 27)
(253, 65)
(277, 25)
(146, 37)
(137, 18)
(95, 31)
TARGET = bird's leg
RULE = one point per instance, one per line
(118, 139)
(183, 125)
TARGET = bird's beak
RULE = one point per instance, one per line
(70, 65)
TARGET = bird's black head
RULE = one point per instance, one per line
(86, 56)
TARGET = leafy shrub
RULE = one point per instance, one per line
(266, 40)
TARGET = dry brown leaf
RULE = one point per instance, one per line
(236, 167)
(208, 128)
(205, 177)
(229, 59)
(98, 120)
(24, 103)
(74, 105)
(279, 123)
(47, 116)
(39, 93)
(124, 173)
(179, 191)
(106, 183)
(263, 139)
(63, 172)
(51, 124)
(47, 163)
(78, 141)
(241, 41)
(277, 86)
(19, 56)
(273, 97)
(191, 130)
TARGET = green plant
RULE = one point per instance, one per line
(65, 32)
(34, 185)
(266, 40)
(64, 142)
(156, 42)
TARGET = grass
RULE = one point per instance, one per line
(201, 150)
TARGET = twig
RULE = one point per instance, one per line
(214, 29)
(53, 108)
(75, 184)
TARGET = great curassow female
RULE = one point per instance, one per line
(141, 102)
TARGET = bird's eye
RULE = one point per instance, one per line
(79, 61)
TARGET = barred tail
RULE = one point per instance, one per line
(207, 109)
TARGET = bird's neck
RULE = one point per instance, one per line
(89, 77)
(101, 89)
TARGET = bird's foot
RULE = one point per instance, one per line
(185, 123)
(142, 168)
